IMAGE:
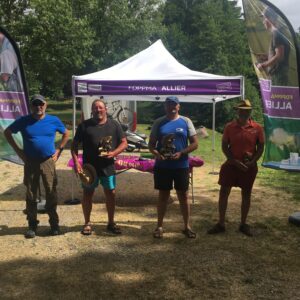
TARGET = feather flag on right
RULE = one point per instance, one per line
(276, 59)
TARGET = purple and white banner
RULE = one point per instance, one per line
(13, 92)
(159, 87)
(276, 60)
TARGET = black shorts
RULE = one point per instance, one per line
(164, 178)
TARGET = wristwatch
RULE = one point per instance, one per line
(61, 149)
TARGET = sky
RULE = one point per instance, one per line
(290, 8)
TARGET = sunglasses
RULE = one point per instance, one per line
(38, 103)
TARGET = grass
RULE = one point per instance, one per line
(134, 265)
(280, 180)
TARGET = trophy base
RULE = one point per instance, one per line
(103, 154)
(168, 155)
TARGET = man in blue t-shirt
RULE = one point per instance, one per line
(39, 155)
(172, 138)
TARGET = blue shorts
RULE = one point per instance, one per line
(108, 183)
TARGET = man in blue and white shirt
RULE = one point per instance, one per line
(172, 167)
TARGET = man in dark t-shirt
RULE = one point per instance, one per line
(277, 64)
(92, 133)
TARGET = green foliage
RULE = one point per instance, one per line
(210, 36)
(59, 38)
(122, 28)
(54, 45)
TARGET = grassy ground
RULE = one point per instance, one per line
(134, 265)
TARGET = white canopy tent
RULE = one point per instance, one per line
(151, 75)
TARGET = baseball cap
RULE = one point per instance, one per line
(270, 14)
(244, 104)
(36, 98)
(172, 99)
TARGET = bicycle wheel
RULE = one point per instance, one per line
(125, 116)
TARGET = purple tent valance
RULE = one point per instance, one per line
(159, 87)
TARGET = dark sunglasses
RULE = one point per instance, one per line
(38, 103)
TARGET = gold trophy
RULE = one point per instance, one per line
(105, 146)
(168, 148)
(88, 175)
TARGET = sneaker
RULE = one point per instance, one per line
(218, 228)
(158, 233)
(32, 227)
(245, 229)
(30, 233)
(113, 228)
(54, 230)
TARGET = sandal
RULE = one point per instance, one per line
(189, 233)
(87, 229)
(218, 228)
(158, 233)
(245, 229)
(113, 228)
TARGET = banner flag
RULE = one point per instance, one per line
(13, 92)
(276, 59)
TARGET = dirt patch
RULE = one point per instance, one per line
(227, 266)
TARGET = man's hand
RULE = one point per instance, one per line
(260, 66)
(77, 168)
(56, 155)
(250, 163)
(159, 156)
(241, 166)
(177, 155)
(110, 154)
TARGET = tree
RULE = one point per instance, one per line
(54, 45)
(122, 28)
(209, 36)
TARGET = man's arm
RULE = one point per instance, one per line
(64, 140)
(74, 153)
(279, 54)
(258, 153)
(152, 148)
(122, 146)
(230, 159)
(11, 141)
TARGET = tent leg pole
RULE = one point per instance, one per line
(213, 138)
(73, 133)
(73, 200)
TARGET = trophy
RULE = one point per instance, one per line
(105, 145)
(168, 148)
(88, 175)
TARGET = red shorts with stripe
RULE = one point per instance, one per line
(230, 176)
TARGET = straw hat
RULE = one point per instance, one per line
(88, 176)
(244, 104)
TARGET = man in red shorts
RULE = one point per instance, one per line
(243, 145)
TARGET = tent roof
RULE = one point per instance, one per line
(154, 72)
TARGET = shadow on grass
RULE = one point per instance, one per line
(135, 266)
(128, 192)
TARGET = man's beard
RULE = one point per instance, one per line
(98, 116)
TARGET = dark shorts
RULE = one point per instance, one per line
(164, 178)
(232, 176)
